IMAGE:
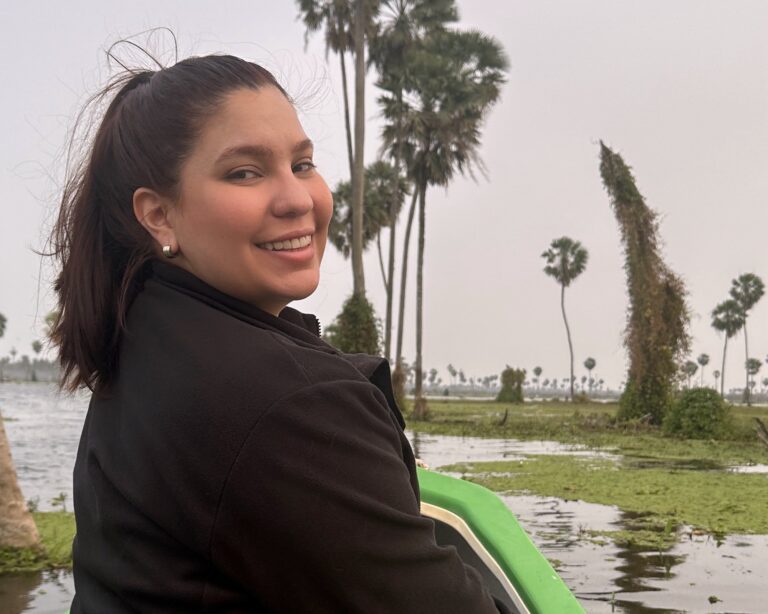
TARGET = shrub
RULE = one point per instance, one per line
(699, 413)
(356, 328)
(581, 398)
(651, 399)
(511, 385)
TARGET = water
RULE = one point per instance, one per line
(609, 578)
(44, 429)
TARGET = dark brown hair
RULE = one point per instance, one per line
(148, 129)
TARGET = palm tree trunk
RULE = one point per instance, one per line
(345, 93)
(420, 405)
(358, 176)
(381, 260)
(567, 332)
(17, 528)
(391, 268)
(746, 363)
(403, 279)
(390, 285)
(722, 371)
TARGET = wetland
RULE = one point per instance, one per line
(634, 522)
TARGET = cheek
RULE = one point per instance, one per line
(325, 208)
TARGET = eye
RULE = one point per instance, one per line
(242, 174)
(304, 167)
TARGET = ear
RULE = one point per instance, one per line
(153, 211)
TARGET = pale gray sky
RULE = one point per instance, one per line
(679, 88)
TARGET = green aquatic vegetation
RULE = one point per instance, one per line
(594, 425)
(57, 530)
(657, 498)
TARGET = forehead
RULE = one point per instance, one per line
(263, 117)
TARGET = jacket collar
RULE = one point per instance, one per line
(303, 328)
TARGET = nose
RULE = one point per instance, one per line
(293, 197)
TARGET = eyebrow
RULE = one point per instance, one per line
(260, 151)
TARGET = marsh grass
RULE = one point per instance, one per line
(658, 500)
(595, 425)
(57, 529)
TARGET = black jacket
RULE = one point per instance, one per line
(241, 464)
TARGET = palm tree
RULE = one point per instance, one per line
(537, 372)
(453, 80)
(690, 368)
(590, 364)
(3, 322)
(382, 188)
(753, 367)
(703, 360)
(347, 26)
(716, 375)
(727, 318)
(566, 260)
(746, 290)
(335, 16)
(401, 25)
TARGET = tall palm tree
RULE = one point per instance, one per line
(590, 364)
(566, 260)
(703, 360)
(403, 24)
(335, 18)
(454, 79)
(348, 24)
(746, 290)
(716, 375)
(728, 318)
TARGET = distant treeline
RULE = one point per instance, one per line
(26, 370)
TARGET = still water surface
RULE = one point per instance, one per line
(44, 429)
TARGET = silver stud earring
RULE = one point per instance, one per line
(168, 251)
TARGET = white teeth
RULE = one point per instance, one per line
(288, 244)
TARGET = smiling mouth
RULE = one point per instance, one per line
(288, 244)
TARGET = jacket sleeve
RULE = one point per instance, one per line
(318, 514)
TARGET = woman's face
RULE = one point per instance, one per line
(252, 215)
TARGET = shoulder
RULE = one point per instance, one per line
(195, 354)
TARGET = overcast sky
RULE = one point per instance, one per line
(679, 88)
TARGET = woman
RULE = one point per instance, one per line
(231, 461)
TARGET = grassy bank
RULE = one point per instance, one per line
(57, 529)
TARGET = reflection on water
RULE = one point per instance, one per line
(609, 578)
(48, 592)
(440, 450)
(44, 429)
